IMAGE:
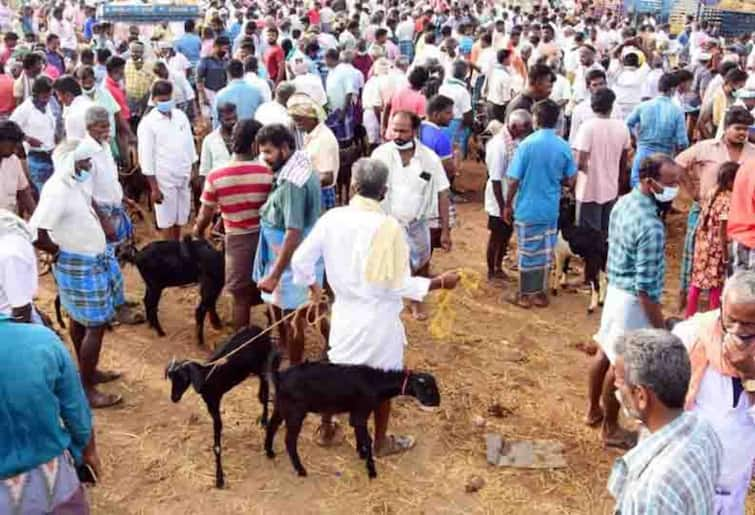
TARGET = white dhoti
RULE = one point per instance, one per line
(622, 312)
(175, 207)
(371, 126)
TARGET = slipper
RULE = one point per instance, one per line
(336, 438)
(540, 301)
(519, 301)
(624, 441)
(594, 421)
(395, 445)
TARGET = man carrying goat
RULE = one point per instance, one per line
(367, 263)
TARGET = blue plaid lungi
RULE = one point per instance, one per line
(90, 287)
(343, 129)
(406, 47)
(40, 169)
(420, 245)
(535, 249)
(688, 253)
(124, 229)
(327, 198)
(287, 295)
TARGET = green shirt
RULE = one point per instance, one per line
(292, 207)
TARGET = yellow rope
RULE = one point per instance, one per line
(442, 322)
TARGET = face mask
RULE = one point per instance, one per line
(165, 106)
(88, 92)
(81, 175)
(667, 195)
(402, 144)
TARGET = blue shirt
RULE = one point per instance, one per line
(636, 243)
(234, 30)
(246, 97)
(39, 388)
(541, 162)
(189, 45)
(659, 125)
(434, 137)
(88, 24)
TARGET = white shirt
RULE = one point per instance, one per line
(262, 84)
(74, 117)
(179, 63)
(166, 147)
(18, 272)
(458, 92)
(104, 186)
(273, 112)
(628, 85)
(36, 124)
(339, 84)
(215, 153)
(405, 30)
(65, 210)
(182, 90)
(497, 159)
(311, 84)
(64, 29)
(327, 15)
(365, 326)
(413, 189)
(579, 89)
(498, 84)
(561, 89)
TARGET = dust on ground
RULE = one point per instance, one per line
(157, 456)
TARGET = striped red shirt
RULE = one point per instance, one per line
(239, 190)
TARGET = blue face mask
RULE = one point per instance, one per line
(81, 175)
(164, 107)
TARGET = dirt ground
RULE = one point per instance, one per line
(157, 456)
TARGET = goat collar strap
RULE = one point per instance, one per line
(407, 373)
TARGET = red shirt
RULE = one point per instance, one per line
(119, 96)
(7, 103)
(741, 224)
(274, 59)
(314, 17)
(239, 189)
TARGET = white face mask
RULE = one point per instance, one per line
(667, 195)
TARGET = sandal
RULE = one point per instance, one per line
(519, 301)
(335, 437)
(395, 445)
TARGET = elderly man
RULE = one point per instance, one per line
(166, 155)
(722, 389)
(238, 189)
(75, 105)
(700, 165)
(367, 262)
(542, 163)
(674, 468)
(216, 146)
(18, 268)
(34, 117)
(138, 78)
(319, 142)
(287, 216)
(86, 272)
(636, 269)
(275, 111)
(499, 153)
(342, 94)
(417, 191)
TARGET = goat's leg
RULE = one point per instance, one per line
(217, 430)
(562, 282)
(151, 300)
(275, 421)
(602, 284)
(592, 271)
(263, 395)
(365, 448)
(199, 315)
(294, 420)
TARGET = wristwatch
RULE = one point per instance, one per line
(749, 385)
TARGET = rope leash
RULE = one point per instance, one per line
(441, 324)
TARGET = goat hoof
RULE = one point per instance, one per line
(589, 311)
(220, 484)
(554, 292)
(372, 474)
(262, 421)
(270, 454)
(600, 304)
(302, 473)
(160, 333)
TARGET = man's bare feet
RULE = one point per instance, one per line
(394, 445)
(540, 300)
(594, 417)
(102, 400)
(105, 376)
(619, 438)
(418, 311)
(522, 301)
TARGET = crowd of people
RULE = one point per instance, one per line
(324, 141)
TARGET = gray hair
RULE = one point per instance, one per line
(658, 360)
(740, 287)
(369, 177)
(284, 91)
(96, 114)
(519, 116)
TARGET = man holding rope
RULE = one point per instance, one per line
(367, 261)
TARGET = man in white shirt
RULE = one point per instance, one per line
(418, 190)
(308, 83)
(75, 105)
(18, 268)
(342, 92)
(456, 89)
(34, 117)
(498, 86)
(368, 284)
(274, 111)
(587, 63)
(64, 29)
(405, 36)
(216, 146)
(86, 272)
(627, 82)
(595, 80)
(166, 154)
(251, 75)
(722, 388)
(183, 93)
(376, 93)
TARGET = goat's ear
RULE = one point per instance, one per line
(197, 376)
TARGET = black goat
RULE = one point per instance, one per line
(327, 388)
(255, 358)
(582, 241)
(163, 264)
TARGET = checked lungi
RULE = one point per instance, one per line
(741, 257)
(287, 295)
(420, 244)
(343, 129)
(406, 47)
(124, 229)
(327, 198)
(40, 169)
(536, 242)
(688, 253)
(90, 287)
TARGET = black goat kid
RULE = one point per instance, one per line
(327, 388)
(163, 264)
(255, 358)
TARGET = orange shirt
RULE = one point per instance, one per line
(741, 224)
(7, 102)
